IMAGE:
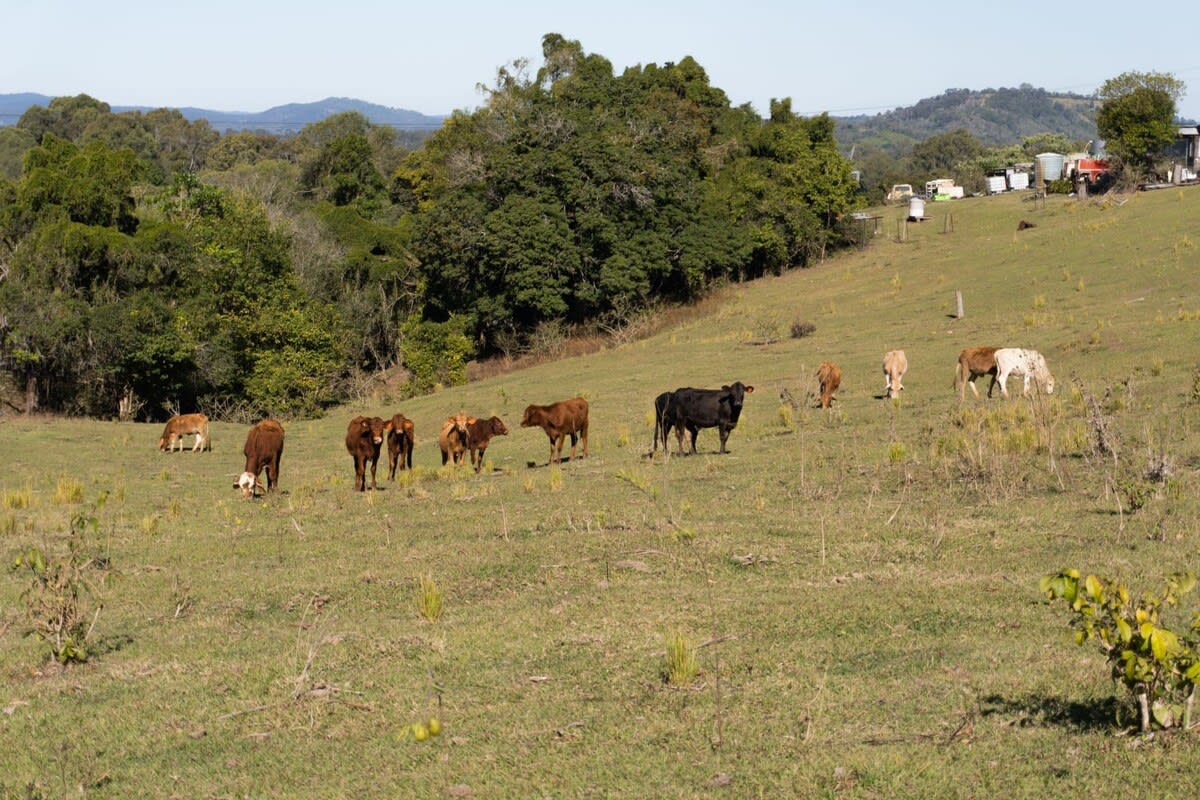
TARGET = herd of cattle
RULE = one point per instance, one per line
(685, 409)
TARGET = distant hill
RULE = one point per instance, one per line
(279, 119)
(994, 116)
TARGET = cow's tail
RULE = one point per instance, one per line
(207, 438)
(958, 375)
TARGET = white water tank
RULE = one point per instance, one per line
(916, 208)
(1051, 165)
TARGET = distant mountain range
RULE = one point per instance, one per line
(279, 119)
(994, 116)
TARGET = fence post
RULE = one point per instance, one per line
(958, 304)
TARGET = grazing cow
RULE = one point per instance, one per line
(829, 376)
(1024, 363)
(182, 425)
(972, 363)
(560, 420)
(400, 444)
(693, 409)
(665, 418)
(1023, 225)
(479, 434)
(454, 439)
(264, 448)
(364, 437)
(895, 364)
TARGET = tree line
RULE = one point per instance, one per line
(148, 259)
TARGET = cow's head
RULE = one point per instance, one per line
(533, 417)
(249, 484)
(498, 427)
(374, 427)
(735, 395)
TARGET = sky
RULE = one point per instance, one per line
(864, 56)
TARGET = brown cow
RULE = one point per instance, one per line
(479, 434)
(364, 437)
(400, 445)
(972, 363)
(829, 376)
(182, 425)
(264, 448)
(454, 439)
(560, 420)
(895, 364)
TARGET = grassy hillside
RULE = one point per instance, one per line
(861, 583)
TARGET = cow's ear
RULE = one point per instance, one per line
(725, 388)
(749, 390)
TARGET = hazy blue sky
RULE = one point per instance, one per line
(844, 57)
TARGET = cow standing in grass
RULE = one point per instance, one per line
(182, 425)
(973, 363)
(665, 419)
(1027, 364)
(364, 437)
(560, 420)
(400, 444)
(479, 435)
(693, 409)
(263, 450)
(895, 364)
(829, 377)
(454, 439)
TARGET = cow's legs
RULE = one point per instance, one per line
(583, 434)
(1001, 378)
(574, 440)
(724, 432)
(693, 431)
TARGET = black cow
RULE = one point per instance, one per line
(665, 418)
(694, 409)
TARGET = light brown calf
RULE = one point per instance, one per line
(454, 439)
(895, 364)
(829, 376)
(182, 425)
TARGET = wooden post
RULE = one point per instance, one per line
(948, 223)
(958, 304)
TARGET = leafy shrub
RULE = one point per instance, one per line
(435, 352)
(1157, 665)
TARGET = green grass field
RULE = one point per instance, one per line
(860, 584)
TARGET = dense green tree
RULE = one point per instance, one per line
(65, 117)
(1137, 118)
(14, 144)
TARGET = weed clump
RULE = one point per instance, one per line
(428, 598)
(682, 662)
(802, 328)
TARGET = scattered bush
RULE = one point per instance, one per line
(58, 600)
(802, 328)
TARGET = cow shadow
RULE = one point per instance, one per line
(1039, 710)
